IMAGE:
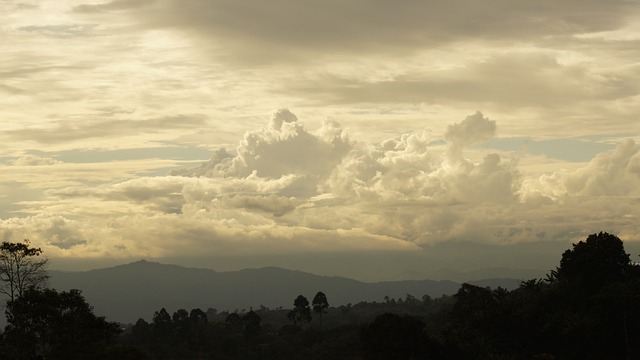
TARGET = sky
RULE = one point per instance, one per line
(363, 138)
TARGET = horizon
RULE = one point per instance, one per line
(368, 139)
(521, 266)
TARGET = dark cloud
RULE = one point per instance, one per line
(274, 204)
(260, 31)
(68, 244)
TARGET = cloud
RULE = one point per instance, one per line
(513, 79)
(68, 131)
(292, 174)
(281, 148)
(257, 31)
(216, 165)
(42, 173)
(611, 173)
(31, 160)
(116, 5)
(404, 193)
(60, 31)
(472, 130)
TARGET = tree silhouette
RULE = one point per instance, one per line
(251, 322)
(391, 336)
(594, 263)
(301, 312)
(141, 331)
(56, 326)
(181, 315)
(19, 270)
(198, 316)
(162, 324)
(320, 305)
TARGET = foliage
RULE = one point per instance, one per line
(19, 270)
(391, 336)
(55, 325)
(594, 263)
(301, 312)
(589, 308)
(320, 303)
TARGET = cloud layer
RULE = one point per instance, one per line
(289, 190)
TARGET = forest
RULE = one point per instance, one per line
(588, 307)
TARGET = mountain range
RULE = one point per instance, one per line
(127, 292)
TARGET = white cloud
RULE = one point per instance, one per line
(280, 149)
(473, 130)
(612, 173)
(401, 194)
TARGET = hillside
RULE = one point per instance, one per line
(127, 292)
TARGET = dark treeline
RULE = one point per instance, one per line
(587, 308)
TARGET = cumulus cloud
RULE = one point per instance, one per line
(43, 229)
(616, 172)
(472, 130)
(286, 175)
(402, 193)
(611, 174)
(280, 149)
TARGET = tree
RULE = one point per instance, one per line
(162, 325)
(251, 322)
(599, 261)
(56, 325)
(141, 331)
(391, 336)
(320, 304)
(301, 311)
(180, 316)
(198, 325)
(19, 270)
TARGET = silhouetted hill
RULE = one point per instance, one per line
(127, 292)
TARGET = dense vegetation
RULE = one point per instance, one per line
(587, 308)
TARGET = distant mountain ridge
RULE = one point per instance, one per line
(127, 292)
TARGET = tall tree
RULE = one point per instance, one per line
(163, 326)
(320, 305)
(19, 268)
